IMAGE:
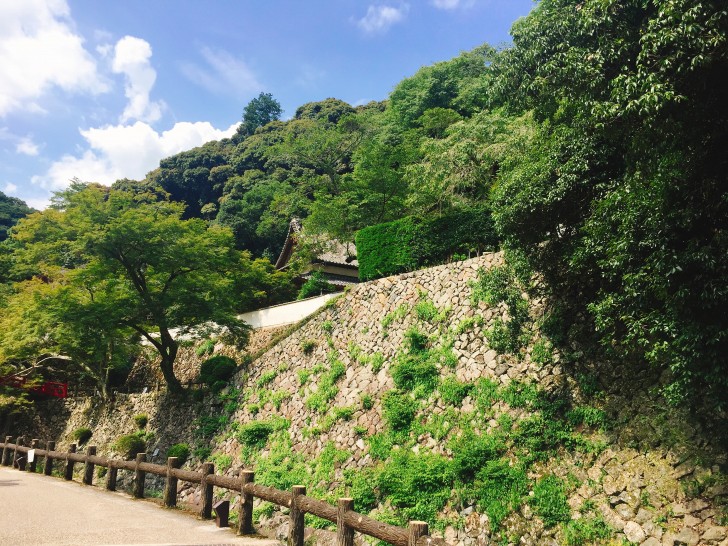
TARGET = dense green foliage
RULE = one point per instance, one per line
(12, 209)
(619, 200)
(82, 435)
(315, 286)
(217, 370)
(181, 451)
(129, 445)
(104, 267)
(414, 242)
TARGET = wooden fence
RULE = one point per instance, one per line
(343, 515)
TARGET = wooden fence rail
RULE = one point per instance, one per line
(343, 515)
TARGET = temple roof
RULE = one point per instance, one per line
(334, 253)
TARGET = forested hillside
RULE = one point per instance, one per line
(597, 139)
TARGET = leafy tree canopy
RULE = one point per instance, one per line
(121, 263)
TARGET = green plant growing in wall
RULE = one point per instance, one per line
(377, 362)
(141, 420)
(82, 435)
(207, 347)
(307, 346)
(255, 434)
(418, 485)
(181, 451)
(327, 390)
(500, 285)
(129, 445)
(216, 371)
(452, 391)
(399, 410)
(499, 489)
(266, 377)
(398, 314)
(550, 502)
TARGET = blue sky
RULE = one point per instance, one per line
(102, 90)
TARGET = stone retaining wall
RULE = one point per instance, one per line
(640, 493)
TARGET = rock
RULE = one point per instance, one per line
(686, 536)
(651, 541)
(633, 532)
(625, 512)
(714, 534)
(643, 515)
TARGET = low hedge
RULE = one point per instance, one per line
(415, 242)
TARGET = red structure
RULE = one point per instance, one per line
(48, 388)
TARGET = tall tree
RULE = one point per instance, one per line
(259, 112)
(621, 202)
(142, 266)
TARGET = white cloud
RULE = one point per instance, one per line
(452, 4)
(10, 188)
(27, 146)
(131, 58)
(40, 51)
(222, 73)
(380, 18)
(127, 151)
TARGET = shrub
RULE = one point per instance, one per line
(129, 445)
(415, 370)
(82, 435)
(549, 501)
(418, 485)
(367, 402)
(207, 347)
(316, 285)
(399, 410)
(255, 434)
(499, 489)
(377, 362)
(307, 346)
(416, 341)
(217, 369)
(327, 390)
(471, 453)
(586, 531)
(181, 451)
(453, 391)
(413, 242)
(362, 488)
(141, 420)
(266, 377)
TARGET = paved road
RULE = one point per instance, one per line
(39, 510)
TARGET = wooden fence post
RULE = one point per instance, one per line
(170, 486)
(139, 476)
(111, 476)
(48, 466)
(69, 463)
(6, 451)
(417, 529)
(206, 512)
(88, 469)
(16, 453)
(344, 533)
(296, 526)
(32, 465)
(245, 521)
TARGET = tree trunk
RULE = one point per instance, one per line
(169, 354)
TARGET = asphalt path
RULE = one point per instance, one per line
(41, 510)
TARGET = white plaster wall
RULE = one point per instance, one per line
(285, 313)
